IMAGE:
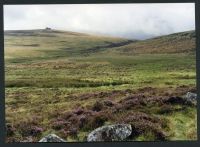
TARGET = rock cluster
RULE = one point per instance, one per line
(116, 132)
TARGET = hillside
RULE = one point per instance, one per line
(183, 42)
(48, 44)
(70, 83)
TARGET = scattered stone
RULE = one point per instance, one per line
(47, 28)
(116, 132)
(52, 138)
(191, 98)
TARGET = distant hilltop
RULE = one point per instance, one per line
(47, 28)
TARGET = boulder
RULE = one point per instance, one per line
(52, 138)
(116, 132)
(191, 97)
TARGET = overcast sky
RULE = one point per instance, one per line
(139, 21)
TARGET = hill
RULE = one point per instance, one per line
(54, 44)
(48, 44)
(70, 83)
(183, 42)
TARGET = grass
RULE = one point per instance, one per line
(184, 125)
(51, 74)
(183, 42)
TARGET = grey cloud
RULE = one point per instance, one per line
(138, 21)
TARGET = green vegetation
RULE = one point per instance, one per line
(54, 80)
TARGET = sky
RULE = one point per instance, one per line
(134, 21)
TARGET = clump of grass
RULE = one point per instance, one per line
(27, 130)
(10, 130)
(98, 106)
(94, 122)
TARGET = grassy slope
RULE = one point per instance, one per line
(52, 71)
(41, 44)
(183, 42)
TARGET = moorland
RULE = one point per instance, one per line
(70, 83)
